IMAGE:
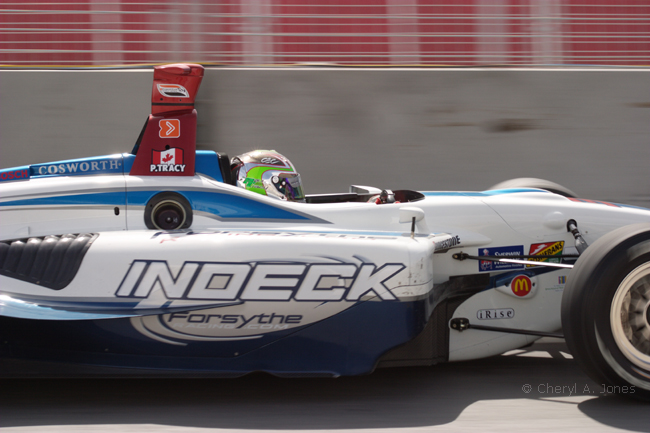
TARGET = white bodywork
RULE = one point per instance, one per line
(323, 255)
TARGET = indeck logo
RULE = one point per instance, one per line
(170, 160)
(521, 285)
(173, 91)
(169, 128)
(227, 281)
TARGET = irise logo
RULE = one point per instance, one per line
(521, 285)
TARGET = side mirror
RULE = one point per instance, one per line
(415, 216)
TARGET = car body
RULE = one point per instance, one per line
(91, 275)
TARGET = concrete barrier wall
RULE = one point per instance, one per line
(419, 129)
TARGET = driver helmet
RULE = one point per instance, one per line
(268, 173)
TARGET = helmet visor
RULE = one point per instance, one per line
(286, 186)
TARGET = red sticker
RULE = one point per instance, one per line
(521, 285)
(170, 160)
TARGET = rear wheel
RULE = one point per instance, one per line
(168, 211)
(606, 311)
(531, 182)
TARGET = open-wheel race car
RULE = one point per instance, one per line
(168, 261)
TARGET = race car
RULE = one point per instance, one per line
(168, 261)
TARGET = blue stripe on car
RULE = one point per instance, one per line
(480, 194)
(222, 205)
(219, 204)
(232, 206)
(104, 198)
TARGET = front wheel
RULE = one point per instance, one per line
(606, 311)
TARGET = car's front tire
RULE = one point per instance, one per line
(532, 182)
(606, 311)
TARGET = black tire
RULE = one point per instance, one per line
(168, 211)
(606, 309)
(531, 182)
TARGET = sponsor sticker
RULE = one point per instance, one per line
(521, 286)
(546, 249)
(498, 313)
(18, 174)
(78, 167)
(272, 161)
(511, 252)
(231, 322)
(262, 157)
(170, 160)
(242, 281)
(169, 128)
(559, 286)
(269, 321)
(173, 91)
(251, 182)
(445, 244)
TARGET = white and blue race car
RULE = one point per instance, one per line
(155, 263)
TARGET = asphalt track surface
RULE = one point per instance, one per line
(539, 388)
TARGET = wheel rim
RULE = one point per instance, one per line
(629, 316)
(168, 215)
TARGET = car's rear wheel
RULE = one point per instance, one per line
(531, 182)
(168, 211)
(606, 311)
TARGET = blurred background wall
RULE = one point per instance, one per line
(342, 32)
(392, 93)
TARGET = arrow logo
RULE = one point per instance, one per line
(169, 128)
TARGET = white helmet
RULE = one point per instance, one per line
(268, 173)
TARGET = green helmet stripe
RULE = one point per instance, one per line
(257, 172)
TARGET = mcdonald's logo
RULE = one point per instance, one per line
(521, 285)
